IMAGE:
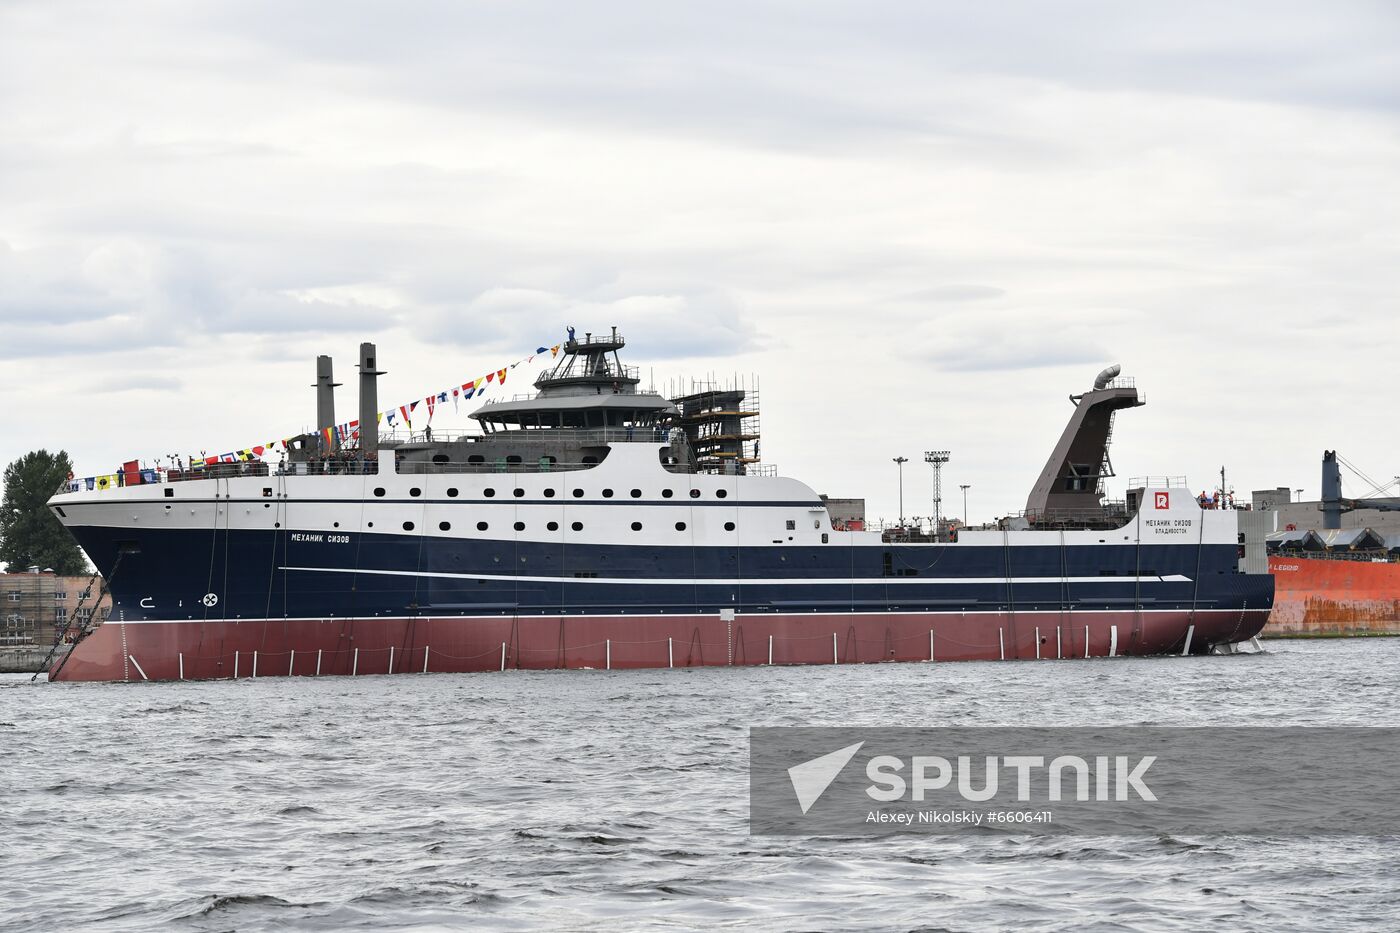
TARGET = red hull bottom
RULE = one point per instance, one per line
(129, 651)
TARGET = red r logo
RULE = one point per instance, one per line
(1162, 500)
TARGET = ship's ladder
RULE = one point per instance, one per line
(86, 630)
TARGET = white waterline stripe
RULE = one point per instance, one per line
(750, 581)
(508, 615)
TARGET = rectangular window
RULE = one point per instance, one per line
(60, 615)
(84, 615)
(14, 597)
(60, 595)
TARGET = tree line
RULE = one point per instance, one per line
(30, 534)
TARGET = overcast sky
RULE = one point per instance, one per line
(920, 224)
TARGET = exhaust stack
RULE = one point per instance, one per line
(369, 401)
(325, 404)
(1107, 376)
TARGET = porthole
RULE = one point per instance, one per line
(728, 526)
(451, 492)
(519, 493)
(549, 493)
(680, 526)
(444, 526)
(553, 526)
(695, 494)
(578, 493)
(415, 492)
(369, 524)
(636, 494)
(488, 492)
(667, 493)
(408, 526)
(577, 526)
(519, 526)
(335, 525)
(636, 526)
(482, 526)
(266, 505)
(721, 493)
(379, 491)
(607, 493)
(276, 524)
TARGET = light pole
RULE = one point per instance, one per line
(900, 461)
(965, 487)
(1300, 494)
(936, 458)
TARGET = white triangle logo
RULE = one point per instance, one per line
(811, 778)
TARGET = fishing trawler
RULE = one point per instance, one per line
(598, 524)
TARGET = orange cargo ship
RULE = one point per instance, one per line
(1316, 596)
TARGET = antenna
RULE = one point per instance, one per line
(936, 459)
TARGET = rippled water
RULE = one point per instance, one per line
(592, 799)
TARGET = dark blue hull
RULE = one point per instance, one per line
(206, 575)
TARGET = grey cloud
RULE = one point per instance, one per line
(823, 74)
(1018, 348)
(954, 294)
(126, 294)
(135, 382)
(693, 323)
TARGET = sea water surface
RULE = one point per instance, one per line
(618, 800)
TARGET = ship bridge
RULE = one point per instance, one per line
(589, 387)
